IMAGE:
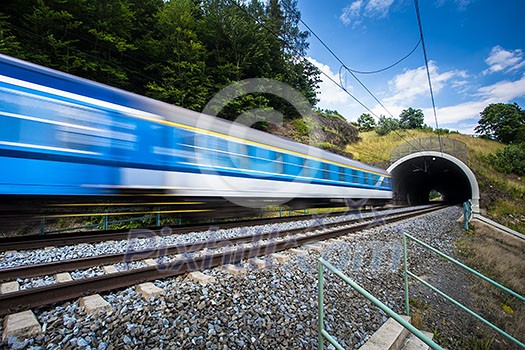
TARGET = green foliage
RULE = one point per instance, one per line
(511, 159)
(434, 195)
(328, 113)
(300, 126)
(411, 118)
(182, 52)
(386, 125)
(331, 148)
(502, 122)
(442, 131)
(9, 44)
(366, 122)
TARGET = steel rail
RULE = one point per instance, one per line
(27, 271)
(62, 239)
(58, 292)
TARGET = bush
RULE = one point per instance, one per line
(300, 126)
(511, 159)
(365, 122)
(386, 125)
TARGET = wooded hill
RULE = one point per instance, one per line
(182, 52)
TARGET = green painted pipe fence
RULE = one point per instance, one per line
(408, 274)
(323, 334)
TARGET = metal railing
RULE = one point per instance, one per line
(153, 215)
(408, 274)
(323, 334)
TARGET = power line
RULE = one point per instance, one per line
(355, 77)
(302, 57)
(416, 3)
(390, 66)
(305, 59)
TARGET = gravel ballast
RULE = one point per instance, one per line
(270, 308)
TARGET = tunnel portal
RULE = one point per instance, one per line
(417, 174)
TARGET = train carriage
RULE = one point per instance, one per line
(61, 135)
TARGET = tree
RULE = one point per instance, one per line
(411, 118)
(386, 125)
(502, 121)
(366, 122)
(179, 51)
(179, 57)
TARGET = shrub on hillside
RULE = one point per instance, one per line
(510, 159)
(386, 125)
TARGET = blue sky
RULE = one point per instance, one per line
(475, 51)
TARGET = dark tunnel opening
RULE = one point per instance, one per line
(415, 178)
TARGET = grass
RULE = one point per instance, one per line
(374, 148)
(502, 195)
(499, 257)
(417, 310)
(511, 212)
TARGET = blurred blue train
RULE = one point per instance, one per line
(61, 135)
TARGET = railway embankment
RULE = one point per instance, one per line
(274, 306)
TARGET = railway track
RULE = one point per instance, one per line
(70, 238)
(63, 239)
(231, 251)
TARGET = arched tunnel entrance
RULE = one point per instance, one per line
(417, 174)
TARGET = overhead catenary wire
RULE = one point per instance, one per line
(305, 59)
(389, 66)
(356, 78)
(416, 3)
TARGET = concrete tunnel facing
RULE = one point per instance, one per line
(416, 174)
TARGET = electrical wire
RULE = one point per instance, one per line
(390, 66)
(416, 3)
(305, 59)
(356, 78)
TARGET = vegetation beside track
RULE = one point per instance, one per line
(502, 195)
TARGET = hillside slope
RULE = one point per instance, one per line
(502, 195)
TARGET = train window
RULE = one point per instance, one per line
(353, 175)
(251, 154)
(221, 145)
(359, 176)
(333, 172)
(372, 179)
(365, 178)
(305, 169)
(279, 166)
(341, 173)
(243, 156)
(292, 165)
(325, 171)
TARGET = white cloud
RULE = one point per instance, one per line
(503, 60)
(414, 83)
(351, 13)
(356, 11)
(454, 114)
(378, 8)
(503, 91)
(329, 93)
